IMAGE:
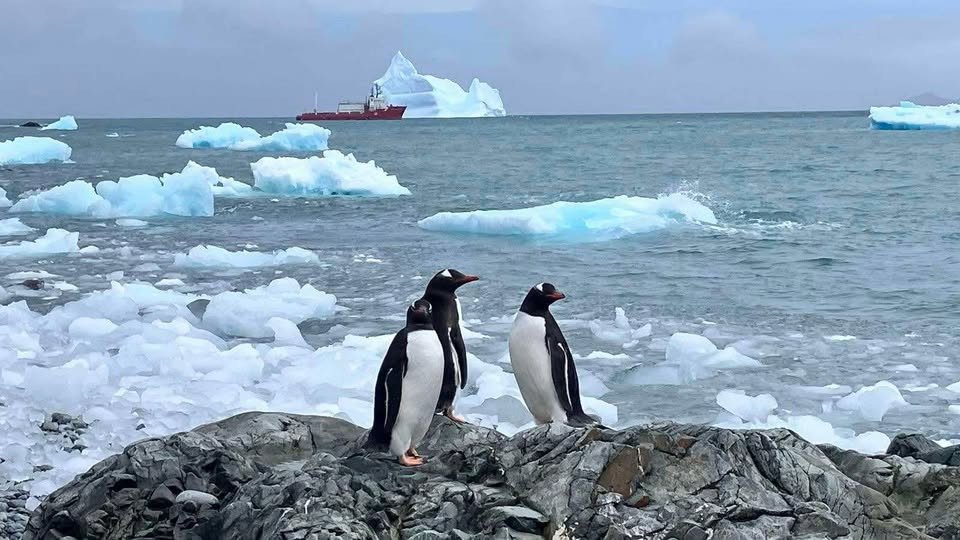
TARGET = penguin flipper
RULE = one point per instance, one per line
(460, 348)
(387, 394)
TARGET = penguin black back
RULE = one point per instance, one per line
(386, 399)
(442, 295)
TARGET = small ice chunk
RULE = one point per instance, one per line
(333, 174)
(840, 338)
(213, 257)
(294, 137)
(112, 135)
(53, 242)
(246, 314)
(129, 222)
(873, 402)
(620, 332)
(909, 368)
(13, 226)
(286, 333)
(748, 408)
(169, 282)
(32, 150)
(87, 327)
(67, 123)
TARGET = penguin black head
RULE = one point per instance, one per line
(419, 313)
(540, 297)
(449, 280)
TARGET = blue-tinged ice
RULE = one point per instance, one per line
(4, 201)
(333, 174)
(222, 136)
(427, 96)
(217, 257)
(600, 219)
(186, 193)
(30, 150)
(294, 137)
(66, 123)
(909, 115)
(53, 242)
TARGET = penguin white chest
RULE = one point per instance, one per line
(532, 368)
(420, 390)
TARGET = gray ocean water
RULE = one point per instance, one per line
(826, 229)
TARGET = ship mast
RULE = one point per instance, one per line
(314, 101)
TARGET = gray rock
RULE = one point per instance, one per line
(270, 475)
(911, 444)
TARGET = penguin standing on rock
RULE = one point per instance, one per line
(542, 363)
(408, 386)
(442, 294)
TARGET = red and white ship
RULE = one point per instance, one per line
(374, 108)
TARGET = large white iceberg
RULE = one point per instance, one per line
(186, 193)
(30, 150)
(53, 242)
(218, 257)
(294, 137)
(427, 96)
(604, 218)
(333, 174)
(909, 115)
(66, 123)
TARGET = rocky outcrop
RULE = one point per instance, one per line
(31, 123)
(268, 475)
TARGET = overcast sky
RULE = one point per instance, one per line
(227, 58)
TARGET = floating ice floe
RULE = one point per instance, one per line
(4, 201)
(747, 408)
(33, 150)
(333, 174)
(873, 402)
(186, 193)
(13, 226)
(218, 257)
(593, 220)
(66, 123)
(690, 357)
(53, 242)
(246, 314)
(294, 137)
(620, 332)
(911, 116)
(955, 387)
(818, 431)
(112, 135)
(129, 222)
(427, 96)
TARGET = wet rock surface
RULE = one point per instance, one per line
(271, 475)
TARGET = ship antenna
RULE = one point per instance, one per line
(314, 101)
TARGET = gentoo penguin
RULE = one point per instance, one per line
(442, 294)
(408, 386)
(542, 362)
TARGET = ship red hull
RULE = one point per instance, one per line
(393, 112)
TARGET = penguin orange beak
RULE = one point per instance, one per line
(468, 279)
(557, 296)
